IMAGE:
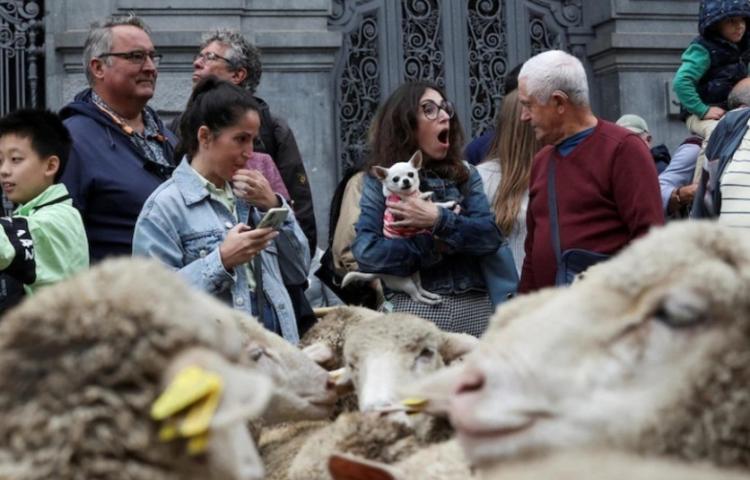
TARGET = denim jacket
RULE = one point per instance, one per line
(448, 259)
(183, 227)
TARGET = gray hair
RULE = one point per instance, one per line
(555, 70)
(99, 40)
(739, 96)
(241, 54)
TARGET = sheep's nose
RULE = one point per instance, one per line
(471, 381)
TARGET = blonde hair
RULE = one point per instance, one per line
(514, 147)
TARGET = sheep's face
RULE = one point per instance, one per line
(302, 391)
(609, 358)
(386, 352)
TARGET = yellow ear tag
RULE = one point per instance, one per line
(187, 387)
(414, 404)
(168, 430)
(198, 418)
(197, 445)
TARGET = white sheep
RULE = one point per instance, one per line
(381, 354)
(564, 465)
(647, 353)
(82, 362)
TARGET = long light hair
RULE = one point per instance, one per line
(514, 147)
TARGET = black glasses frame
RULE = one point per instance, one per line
(212, 57)
(431, 109)
(137, 57)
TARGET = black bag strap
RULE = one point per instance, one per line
(52, 202)
(554, 227)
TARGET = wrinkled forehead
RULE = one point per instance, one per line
(397, 333)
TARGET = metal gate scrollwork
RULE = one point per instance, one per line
(21, 54)
(465, 46)
(488, 60)
(422, 41)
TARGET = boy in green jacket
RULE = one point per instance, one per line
(43, 241)
(713, 62)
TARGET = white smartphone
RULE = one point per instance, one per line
(274, 218)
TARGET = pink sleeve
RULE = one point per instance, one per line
(264, 164)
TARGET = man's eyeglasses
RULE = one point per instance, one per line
(211, 57)
(137, 57)
(432, 109)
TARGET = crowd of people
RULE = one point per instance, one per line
(548, 191)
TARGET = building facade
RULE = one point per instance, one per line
(327, 64)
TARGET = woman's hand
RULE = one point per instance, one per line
(714, 113)
(253, 187)
(243, 243)
(414, 212)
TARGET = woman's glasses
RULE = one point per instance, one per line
(432, 109)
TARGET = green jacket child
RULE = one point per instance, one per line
(43, 241)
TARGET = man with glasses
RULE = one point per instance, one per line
(593, 188)
(121, 150)
(229, 56)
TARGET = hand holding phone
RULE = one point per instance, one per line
(274, 218)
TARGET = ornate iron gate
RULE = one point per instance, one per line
(21, 54)
(466, 46)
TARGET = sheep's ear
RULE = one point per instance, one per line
(348, 467)
(456, 345)
(416, 160)
(380, 172)
(245, 393)
(319, 353)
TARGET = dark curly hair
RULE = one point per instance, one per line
(393, 133)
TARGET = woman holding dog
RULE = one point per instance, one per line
(448, 252)
(200, 221)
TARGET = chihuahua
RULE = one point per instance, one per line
(401, 180)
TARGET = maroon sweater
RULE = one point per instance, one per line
(607, 195)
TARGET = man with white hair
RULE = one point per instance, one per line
(603, 190)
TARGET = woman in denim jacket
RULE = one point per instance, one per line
(195, 221)
(417, 116)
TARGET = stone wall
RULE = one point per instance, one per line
(634, 53)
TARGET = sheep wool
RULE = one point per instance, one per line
(81, 364)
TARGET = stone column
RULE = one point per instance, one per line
(634, 54)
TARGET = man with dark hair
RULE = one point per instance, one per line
(43, 241)
(121, 150)
(229, 56)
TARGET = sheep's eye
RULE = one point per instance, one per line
(682, 310)
(426, 354)
(396, 179)
(255, 354)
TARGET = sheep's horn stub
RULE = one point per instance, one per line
(348, 467)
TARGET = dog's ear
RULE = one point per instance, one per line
(416, 160)
(380, 172)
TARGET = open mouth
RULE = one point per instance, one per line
(500, 432)
(443, 136)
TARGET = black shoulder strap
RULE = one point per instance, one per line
(52, 202)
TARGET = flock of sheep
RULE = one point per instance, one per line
(638, 370)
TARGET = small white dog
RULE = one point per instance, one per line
(401, 180)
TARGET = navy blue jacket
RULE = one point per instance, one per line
(107, 177)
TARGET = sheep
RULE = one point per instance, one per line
(381, 353)
(647, 353)
(82, 362)
(562, 465)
